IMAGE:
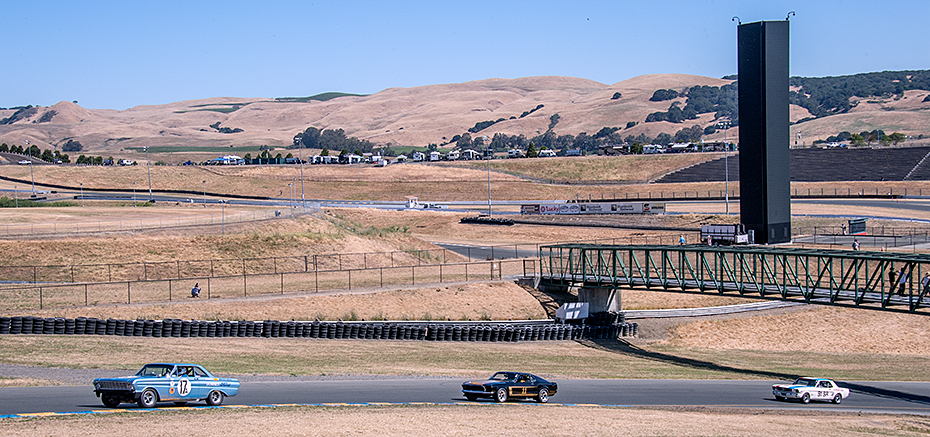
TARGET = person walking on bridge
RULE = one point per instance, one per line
(892, 284)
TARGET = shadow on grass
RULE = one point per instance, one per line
(625, 348)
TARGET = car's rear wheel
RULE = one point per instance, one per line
(806, 398)
(838, 398)
(110, 401)
(148, 398)
(215, 398)
(500, 395)
(543, 396)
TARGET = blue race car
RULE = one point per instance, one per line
(160, 382)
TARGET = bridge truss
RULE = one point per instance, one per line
(833, 277)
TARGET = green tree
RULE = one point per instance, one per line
(47, 156)
(897, 137)
(553, 120)
(531, 151)
(857, 140)
(324, 152)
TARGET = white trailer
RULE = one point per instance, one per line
(725, 234)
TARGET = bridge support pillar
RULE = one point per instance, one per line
(600, 299)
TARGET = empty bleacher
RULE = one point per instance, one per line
(825, 165)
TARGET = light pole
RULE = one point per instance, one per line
(82, 193)
(300, 158)
(32, 175)
(133, 193)
(290, 195)
(15, 198)
(204, 193)
(487, 152)
(726, 163)
(149, 167)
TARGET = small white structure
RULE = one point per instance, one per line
(452, 156)
(546, 153)
(572, 311)
(418, 157)
(435, 156)
(651, 149)
(412, 202)
(400, 158)
(470, 154)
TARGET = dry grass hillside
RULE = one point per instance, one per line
(421, 115)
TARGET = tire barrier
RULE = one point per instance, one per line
(380, 330)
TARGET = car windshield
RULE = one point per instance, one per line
(805, 381)
(502, 376)
(157, 370)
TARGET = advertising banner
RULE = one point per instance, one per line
(595, 208)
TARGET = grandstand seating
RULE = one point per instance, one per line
(825, 165)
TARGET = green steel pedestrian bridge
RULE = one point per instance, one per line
(832, 277)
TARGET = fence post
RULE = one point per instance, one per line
(381, 271)
(169, 290)
(466, 271)
(350, 279)
(40, 298)
(245, 285)
(306, 264)
(282, 282)
(413, 274)
(316, 277)
(440, 273)
(128, 292)
(85, 294)
(35, 274)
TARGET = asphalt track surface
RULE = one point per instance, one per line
(874, 397)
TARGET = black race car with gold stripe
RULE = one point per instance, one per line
(505, 385)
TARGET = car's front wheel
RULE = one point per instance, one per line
(838, 398)
(501, 395)
(148, 398)
(543, 395)
(806, 398)
(110, 401)
(215, 398)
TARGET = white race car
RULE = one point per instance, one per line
(810, 389)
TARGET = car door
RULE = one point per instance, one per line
(184, 387)
(532, 386)
(825, 390)
(520, 386)
(202, 382)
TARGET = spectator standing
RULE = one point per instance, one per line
(902, 281)
(195, 292)
(855, 244)
(891, 280)
(681, 240)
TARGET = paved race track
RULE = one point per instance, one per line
(882, 397)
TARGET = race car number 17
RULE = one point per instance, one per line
(184, 387)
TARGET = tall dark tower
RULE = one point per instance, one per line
(764, 137)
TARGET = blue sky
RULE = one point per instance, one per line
(119, 54)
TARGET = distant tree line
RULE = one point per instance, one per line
(482, 125)
(22, 113)
(225, 130)
(335, 139)
(35, 152)
(583, 141)
(823, 96)
(700, 100)
(866, 138)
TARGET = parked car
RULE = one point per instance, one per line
(505, 385)
(162, 382)
(25, 162)
(810, 389)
